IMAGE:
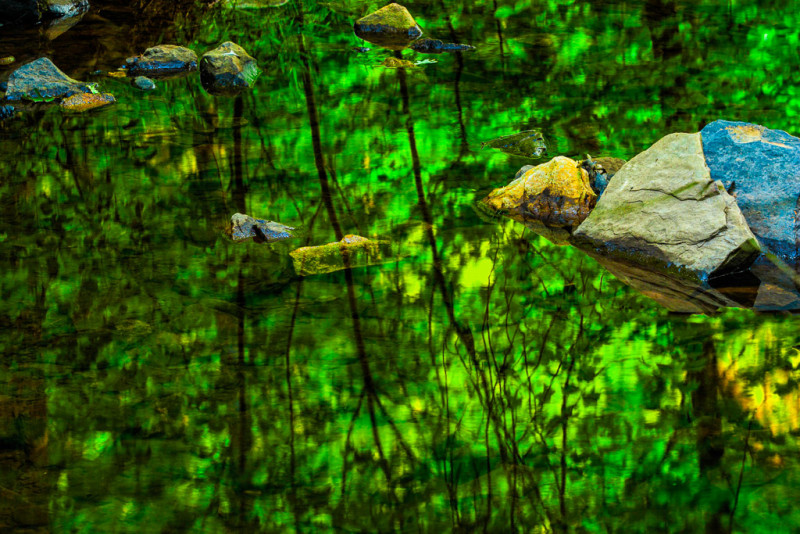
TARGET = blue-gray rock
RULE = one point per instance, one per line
(761, 169)
(227, 70)
(32, 11)
(162, 60)
(260, 230)
(41, 80)
(143, 83)
(6, 112)
(436, 46)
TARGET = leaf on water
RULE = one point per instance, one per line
(528, 144)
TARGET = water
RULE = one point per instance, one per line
(157, 377)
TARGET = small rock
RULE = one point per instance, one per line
(261, 231)
(143, 83)
(759, 167)
(351, 251)
(63, 8)
(601, 170)
(663, 211)
(85, 101)
(117, 74)
(41, 80)
(6, 112)
(33, 11)
(551, 199)
(227, 70)
(391, 26)
(7, 60)
(528, 144)
(394, 63)
(435, 46)
(361, 49)
(162, 60)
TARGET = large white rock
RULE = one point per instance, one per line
(663, 211)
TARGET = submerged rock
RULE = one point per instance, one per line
(227, 70)
(260, 230)
(552, 199)
(435, 46)
(7, 60)
(351, 251)
(391, 26)
(6, 112)
(41, 80)
(394, 63)
(759, 167)
(86, 101)
(664, 212)
(528, 144)
(162, 60)
(144, 83)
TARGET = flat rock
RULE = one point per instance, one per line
(41, 80)
(227, 70)
(246, 227)
(664, 212)
(351, 251)
(162, 60)
(391, 26)
(436, 46)
(85, 101)
(144, 83)
(554, 195)
(761, 168)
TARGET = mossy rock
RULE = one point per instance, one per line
(162, 60)
(85, 101)
(391, 26)
(394, 63)
(227, 70)
(351, 251)
(556, 195)
(42, 81)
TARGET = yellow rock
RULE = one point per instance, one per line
(555, 194)
(87, 101)
(394, 63)
(351, 251)
(117, 74)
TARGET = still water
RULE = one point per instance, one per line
(157, 377)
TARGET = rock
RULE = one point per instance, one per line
(551, 199)
(394, 63)
(391, 26)
(351, 251)
(41, 80)
(261, 231)
(761, 168)
(435, 46)
(663, 212)
(32, 11)
(162, 60)
(601, 170)
(227, 70)
(6, 112)
(143, 83)
(86, 101)
(7, 60)
(528, 144)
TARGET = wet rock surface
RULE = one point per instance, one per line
(32, 11)
(41, 80)
(227, 70)
(601, 170)
(552, 199)
(245, 227)
(162, 60)
(351, 251)
(527, 144)
(664, 212)
(761, 169)
(144, 83)
(436, 46)
(86, 101)
(391, 26)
